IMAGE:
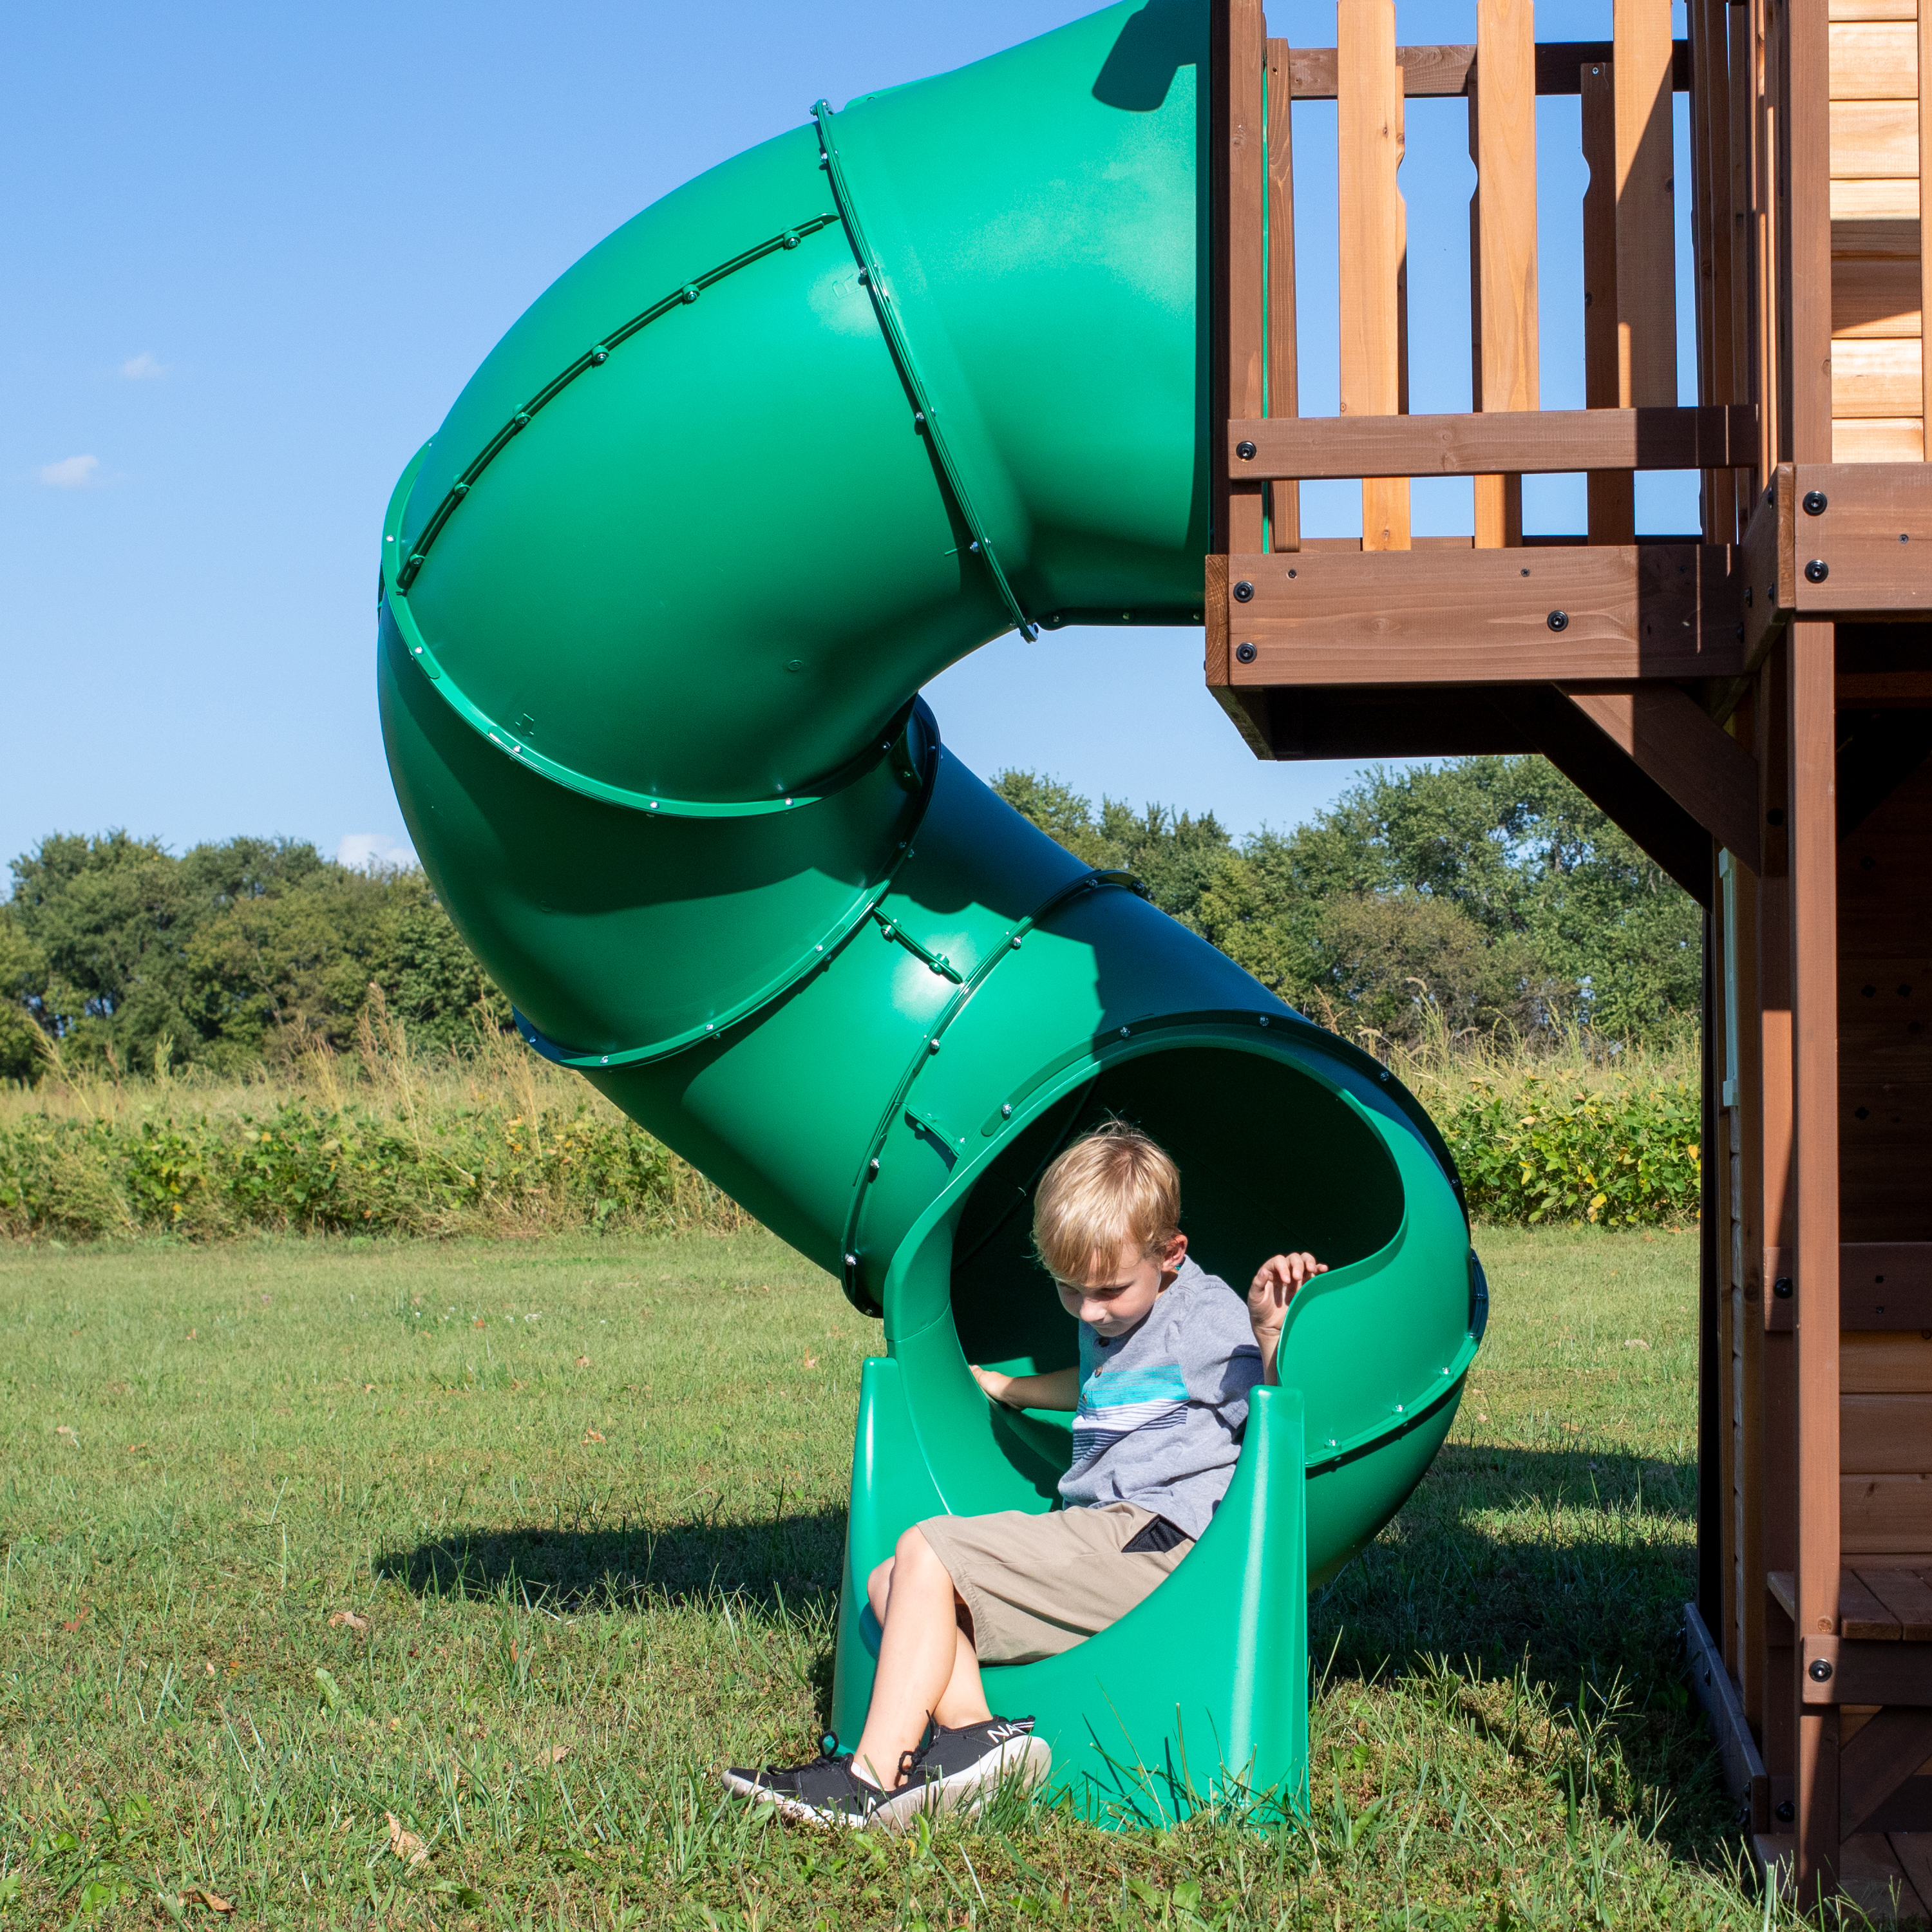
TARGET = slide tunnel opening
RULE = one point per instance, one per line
(1270, 1158)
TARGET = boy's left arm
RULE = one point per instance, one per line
(1274, 1286)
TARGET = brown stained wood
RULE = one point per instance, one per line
(1873, 61)
(1613, 783)
(1807, 118)
(1877, 378)
(1503, 131)
(1446, 70)
(1544, 441)
(1283, 361)
(1611, 495)
(1373, 240)
(1884, 1436)
(1741, 36)
(1215, 609)
(1885, 1515)
(1922, 50)
(1768, 188)
(1863, 1616)
(1710, 127)
(1862, 502)
(1913, 1849)
(1891, 200)
(1483, 617)
(1874, 1883)
(1672, 737)
(1885, 1286)
(1646, 269)
(1870, 1362)
(1812, 844)
(1883, 689)
(1737, 1748)
(1866, 1673)
(1747, 1117)
(1907, 1597)
(1873, 296)
(1873, 9)
(1781, 1584)
(1873, 139)
(1879, 439)
(1246, 319)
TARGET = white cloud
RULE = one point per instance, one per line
(373, 852)
(142, 368)
(71, 473)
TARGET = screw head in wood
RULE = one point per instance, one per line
(1245, 451)
(1245, 653)
(1786, 1811)
(1559, 620)
(1816, 571)
(1819, 1670)
(1815, 502)
(1243, 593)
(1781, 1288)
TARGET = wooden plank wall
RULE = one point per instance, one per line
(1884, 1046)
(1878, 405)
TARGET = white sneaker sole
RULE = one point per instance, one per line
(1022, 1762)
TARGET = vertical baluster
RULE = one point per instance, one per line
(1283, 363)
(1502, 113)
(1612, 502)
(1373, 233)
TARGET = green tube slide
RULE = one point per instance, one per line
(657, 601)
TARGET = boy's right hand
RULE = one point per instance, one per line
(995, 1384)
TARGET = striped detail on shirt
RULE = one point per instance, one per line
(1114, 1405)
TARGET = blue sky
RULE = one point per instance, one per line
(254, 253)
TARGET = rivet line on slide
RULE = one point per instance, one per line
(872, 276)
(405, 569)
(1008, 943)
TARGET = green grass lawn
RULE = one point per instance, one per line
(584, 1501)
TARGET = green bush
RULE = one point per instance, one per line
(1624, 1154)
(303, 1167)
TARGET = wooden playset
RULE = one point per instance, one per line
(1751, 701)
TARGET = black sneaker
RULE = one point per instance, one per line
(827, 1791)
(960, 1769)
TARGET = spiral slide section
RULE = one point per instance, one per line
(657, 601)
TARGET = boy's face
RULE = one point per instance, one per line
(1112, 1300)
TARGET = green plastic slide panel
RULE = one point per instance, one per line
(1198, 1696)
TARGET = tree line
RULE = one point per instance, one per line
(1483, 893)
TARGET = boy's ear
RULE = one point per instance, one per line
(1175, 1252)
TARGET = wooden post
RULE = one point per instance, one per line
(1710, 124)
(1743, 97)
(1807, 277)
(1646, 229)
(1777, 1480)
(1769, 133)
(1925, 202)
(1247, 320)
(1813, 754)
(1374, 236)
(1283, 355)
(1713, 1331)
(1613, 511)
(1503, 266)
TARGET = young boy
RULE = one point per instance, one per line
(1168, 1356)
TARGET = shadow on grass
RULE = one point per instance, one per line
(792, 1560)
(1571, 1567)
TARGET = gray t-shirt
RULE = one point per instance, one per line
(1162, 1407)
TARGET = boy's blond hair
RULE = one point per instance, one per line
(1112, 1192)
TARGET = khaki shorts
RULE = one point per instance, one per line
(1038, 1585)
